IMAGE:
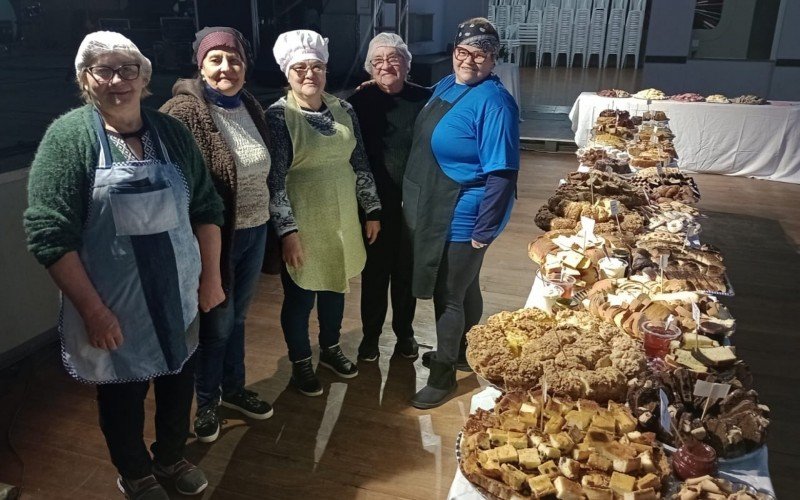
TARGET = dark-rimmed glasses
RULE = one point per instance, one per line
(302, 70)
(462, 54)
(104, 74)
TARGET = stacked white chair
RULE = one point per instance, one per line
(518, 13)
(566, 17)
(632, 42)
(597, 32)
(511, 43)
(615, 32)
(547, 32)
(527, 40)
(580, 32)
(491, 14)
(502, 19)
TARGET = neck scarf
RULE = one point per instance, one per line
(220, 99)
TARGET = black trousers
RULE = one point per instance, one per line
(457, 299)
(121, 409)
(296, 311)
(388, 267)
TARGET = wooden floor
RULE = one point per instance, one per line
(361, 439)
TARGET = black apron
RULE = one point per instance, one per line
(429, 199)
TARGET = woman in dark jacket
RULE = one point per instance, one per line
(228, 124)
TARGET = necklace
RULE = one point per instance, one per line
(136, 133)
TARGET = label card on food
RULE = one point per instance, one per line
(614, 208)
(663, 261)
(587, 227)
(666, 418)
(702, 388)
(696, 313)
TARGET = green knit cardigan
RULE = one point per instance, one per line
(62, 174)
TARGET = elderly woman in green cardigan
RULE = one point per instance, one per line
(123, 214)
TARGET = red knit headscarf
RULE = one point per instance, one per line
(217, 39)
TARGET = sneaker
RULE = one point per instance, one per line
(408, 348)
(206, 424)
(304, 378)
(247, 403)
(146, 488)
(334, 359)
(368, 350)
(187, 478)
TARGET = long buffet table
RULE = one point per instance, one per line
(731, 139)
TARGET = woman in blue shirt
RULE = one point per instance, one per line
(458, 191)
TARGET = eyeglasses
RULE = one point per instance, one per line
(302, 69)
(104, 74)
(462, 54)
(393, 59)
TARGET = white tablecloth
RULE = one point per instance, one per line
(509, 76)
(754, 470)
(731, 139)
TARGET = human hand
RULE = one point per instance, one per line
(366, 84)
(372, 228)
(292, 250)
(103, 329)
(478, 244)
(210, 293)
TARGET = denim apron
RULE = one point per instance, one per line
(429, 198)
(143, 259)
(321, 186)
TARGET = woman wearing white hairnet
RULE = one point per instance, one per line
(386, 112)
(318, 179)
(124, 215)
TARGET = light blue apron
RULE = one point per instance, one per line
(140, 253)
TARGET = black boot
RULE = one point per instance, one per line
(304, 378)
(334, 359)
(441, 385)
(461, 364)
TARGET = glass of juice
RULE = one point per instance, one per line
(657, 338)
(564, 281)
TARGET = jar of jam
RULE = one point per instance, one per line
(694, 459)
(714, 331)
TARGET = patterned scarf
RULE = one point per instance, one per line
(482, 35)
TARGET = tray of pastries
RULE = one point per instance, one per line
(734, 425)
(712, 488)
(688, 268)
(627, 302)
(650, 94)
(749, 99)
(688, 97)
(529, 446)
(615, 93)
(718, 99)
(574, 353)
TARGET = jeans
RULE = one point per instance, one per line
(220, 363)
(121, 408)
(457, 300)
(389, 266)
(296, 310)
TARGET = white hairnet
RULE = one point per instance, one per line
(104, 42)
(388, 40)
